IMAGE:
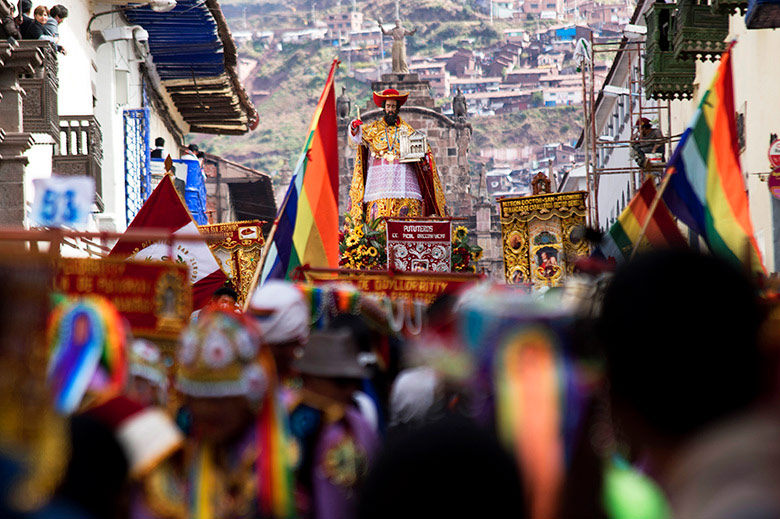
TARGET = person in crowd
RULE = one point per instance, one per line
(336, 442)
(148, 382)
(9, 29)
(225, 296)
(26, 19)
(284, 318)
(648, 140)
(40, 17)
(222, 474)
(190, 152)
(690, 383)
(159, 149)
(87, 375)
(51, 28)
(447, 468)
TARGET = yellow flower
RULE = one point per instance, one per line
(461, 232)
(359, 232)
(372, 252)
(478, 255)
(351, 241)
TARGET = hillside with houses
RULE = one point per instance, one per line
(512, 60)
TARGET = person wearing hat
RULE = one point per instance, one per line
(335, 440)
(649, 140)
(284, 318)
(148, 383)
(227, 384)
(382, 185)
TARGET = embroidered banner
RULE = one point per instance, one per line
(539, 237)
(415, 286)
(238, 247)
(154, 297)
(419, 245)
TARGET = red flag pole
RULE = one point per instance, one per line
(651, 212)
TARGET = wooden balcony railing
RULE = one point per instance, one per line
(41, 89)
(80, 150)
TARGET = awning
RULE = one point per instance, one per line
(195, 58)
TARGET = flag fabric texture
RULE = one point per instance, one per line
(165, 210)
(307, 225)
(707, 190)
(662, 230)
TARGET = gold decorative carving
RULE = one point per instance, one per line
(537, 237)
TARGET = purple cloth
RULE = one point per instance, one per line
(329, 499)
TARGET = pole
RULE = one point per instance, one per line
(593, 125)
(650, 213)
(585, 144)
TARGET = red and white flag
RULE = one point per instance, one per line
(165, 210)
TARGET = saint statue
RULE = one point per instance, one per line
(399, 46)
(382, 185)
(459, 106)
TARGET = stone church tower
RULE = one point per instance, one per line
(449, 139)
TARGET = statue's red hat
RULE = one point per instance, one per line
(390, 93)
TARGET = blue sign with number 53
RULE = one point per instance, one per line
(62, 201)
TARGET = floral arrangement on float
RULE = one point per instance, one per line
(464, 256)
(363, 246)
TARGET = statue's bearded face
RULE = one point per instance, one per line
(391, 112)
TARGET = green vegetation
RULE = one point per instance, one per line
(294, 77)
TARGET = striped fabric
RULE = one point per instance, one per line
(707, 190)
(308, 223)
(662, 231)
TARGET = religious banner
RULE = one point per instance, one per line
(539, 239)
(414, 286)
(154, 297)
(419, 245)
(238, 247)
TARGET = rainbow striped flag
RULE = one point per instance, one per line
(662, 231)
(707, 190)
(307, 226)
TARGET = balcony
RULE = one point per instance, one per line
(665, 76)
(80, 150)
(729, 7)
(40, 102)
(763, 14)
(698, 32)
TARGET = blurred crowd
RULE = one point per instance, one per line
(649, 392)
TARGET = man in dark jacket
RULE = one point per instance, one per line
(27, 20)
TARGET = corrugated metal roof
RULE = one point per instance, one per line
(194, 56)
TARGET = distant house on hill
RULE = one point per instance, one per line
(516, 35)
(472, 85)
(537, 7)
(527, 77)
(500, 102)
(562, 96)
(565, 33)
(303, 35)
(369, 38)
(531, 53)
(436, 73)
(341, 24)
(463, 63)
(504, 9)
(552, 59)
